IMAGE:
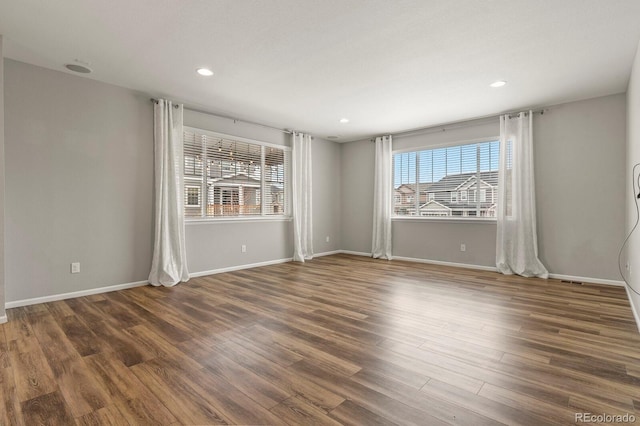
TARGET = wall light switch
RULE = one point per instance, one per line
(463, 247)
(243, 248)
(75, 268)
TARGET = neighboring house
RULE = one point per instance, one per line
(404, 199)
(465, 194)
(232, 189)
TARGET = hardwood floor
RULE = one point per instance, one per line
(338, 340)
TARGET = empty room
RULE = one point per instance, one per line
(297, 212)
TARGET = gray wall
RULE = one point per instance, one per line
(579, 149)
(79, 177)
(633, 157)
(580, 184)
(420, 239)
(216, 245)
(79, 183)
(440, 240)
(2, 239)
(356, 164)
(327, 196)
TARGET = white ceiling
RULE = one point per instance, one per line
(387, 65)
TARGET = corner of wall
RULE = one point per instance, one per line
(632, 252)
(3, 317)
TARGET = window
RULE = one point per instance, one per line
(460, 180)
(192, 195)
(230, 176)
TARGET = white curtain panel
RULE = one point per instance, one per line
(169, 263)
(302, 207)
(382, 199)
(517, 243)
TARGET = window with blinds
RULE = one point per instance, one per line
(454, 181)
(227, 176)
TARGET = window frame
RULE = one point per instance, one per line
(263, 216)
(199, 195)
(459, 219)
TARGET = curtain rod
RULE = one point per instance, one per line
(235, 120)
(458, 124)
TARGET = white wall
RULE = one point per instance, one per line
(633, 157)
(2, 263)
(579, 149)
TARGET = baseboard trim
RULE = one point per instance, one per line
(355, 253)
(443, 263)
(586, 280)
(633, 308)
(63, 296)
(239, 267)
(327, 253)
(73, 294)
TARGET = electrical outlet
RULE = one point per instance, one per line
(327, 239)
(463, 247)
(243, 248)
(75, 268)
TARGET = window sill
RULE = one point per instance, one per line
(218, 220)
(486, 221)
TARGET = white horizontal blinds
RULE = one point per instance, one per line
(404, 183)
(276, 166)
(451, 181)
(234, 179)
(193, 181)
(228, 177)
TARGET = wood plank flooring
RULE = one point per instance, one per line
(338, 340)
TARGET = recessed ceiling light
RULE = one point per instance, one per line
(498, 83)
(344, 120)
(205, 72)
(332, 137)
(78, 68)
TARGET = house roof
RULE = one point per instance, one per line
(450, 182)
(238, 179)
(407, 188)
(453, 182)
